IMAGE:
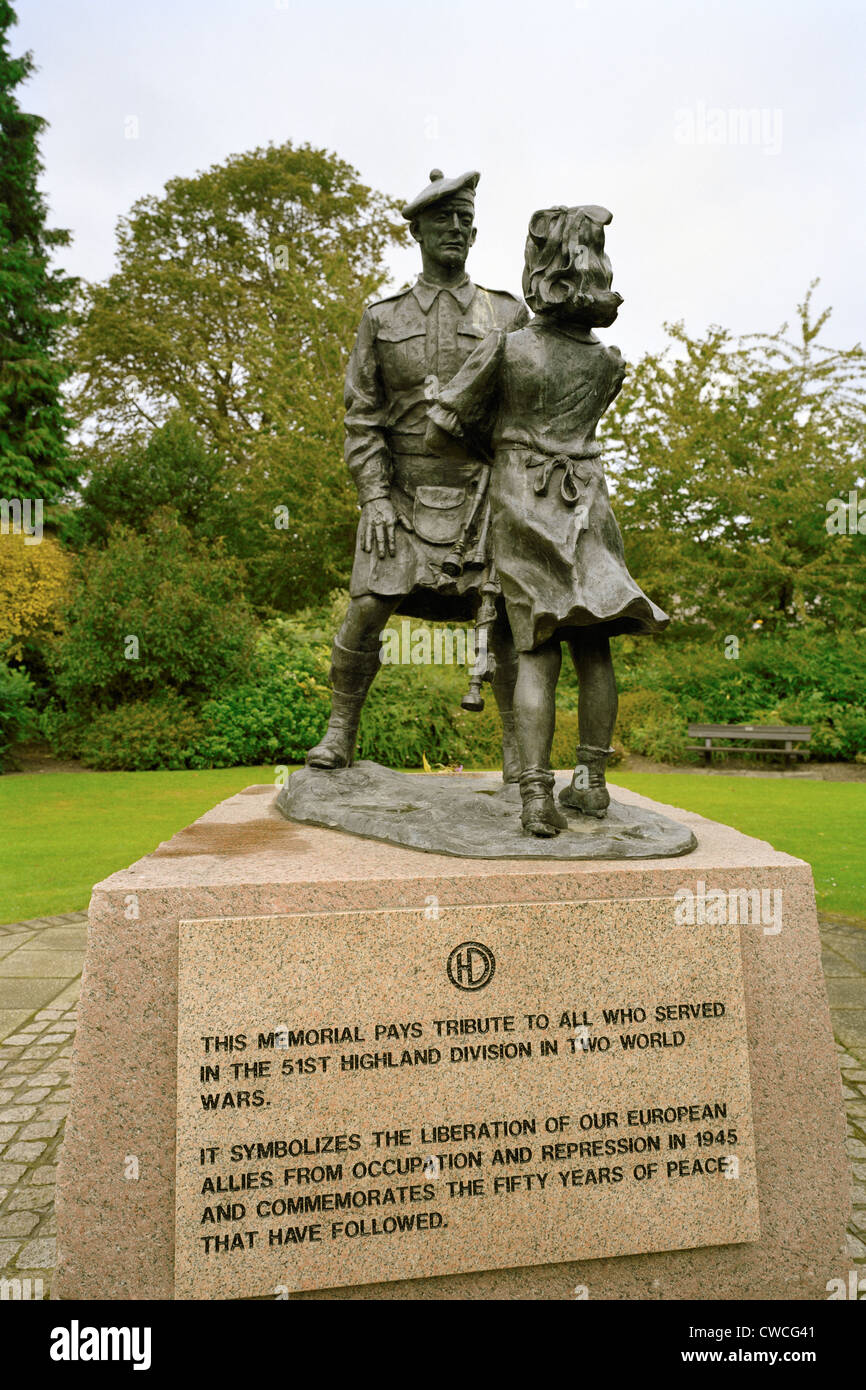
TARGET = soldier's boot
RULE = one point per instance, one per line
(588, 791)
(510, 749)
(352, 675)
(540, 816)
(504, 677)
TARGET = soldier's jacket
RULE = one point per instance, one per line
(424, 331)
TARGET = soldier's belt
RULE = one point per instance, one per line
(411, 471)
(415, 444)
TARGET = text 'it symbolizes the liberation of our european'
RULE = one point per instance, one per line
(471, 965)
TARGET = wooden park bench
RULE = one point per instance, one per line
(774, 734)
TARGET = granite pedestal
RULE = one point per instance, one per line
(290, 943)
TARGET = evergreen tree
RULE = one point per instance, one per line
(33, 300)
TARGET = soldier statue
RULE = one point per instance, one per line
(421, 547)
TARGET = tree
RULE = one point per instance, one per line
(174, 468)
(725, 461)
(34, 299)
(235, 301)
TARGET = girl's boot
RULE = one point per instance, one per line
(540, 816)
(588, 791)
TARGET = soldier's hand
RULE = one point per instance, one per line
(378, 524)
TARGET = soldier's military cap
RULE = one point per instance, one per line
(439, 187)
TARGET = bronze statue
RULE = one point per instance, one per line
(534, 396)
(421, 545)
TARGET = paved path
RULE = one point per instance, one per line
(40, 969)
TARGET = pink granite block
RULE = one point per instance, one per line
(116, 1232)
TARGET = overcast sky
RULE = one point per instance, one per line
(634, 104)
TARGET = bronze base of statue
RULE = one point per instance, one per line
(472, 816)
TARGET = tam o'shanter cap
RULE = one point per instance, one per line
(438, 188)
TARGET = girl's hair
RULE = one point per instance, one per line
(566, 268)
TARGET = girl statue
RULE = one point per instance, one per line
(533, 398)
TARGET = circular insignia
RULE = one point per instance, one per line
(471, 965)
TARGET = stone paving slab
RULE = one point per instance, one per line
(28, 961)
(60, 939)
(849, 1025)
(38, 1017)
(846, 940)
(8, 944)
(10, 1019)
(836, 967)
(33, 992)
(846, 992)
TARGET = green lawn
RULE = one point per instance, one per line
(822, 822)
(63, 832)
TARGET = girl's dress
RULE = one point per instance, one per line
(537, 395)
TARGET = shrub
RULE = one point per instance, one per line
(280, 709)
(16, 709)
(650, 723)
(849, 722)
(34, 581)
(275, 705)
(274, 720)
(838, 730)
(411, 713)
(478, 733)
(61, 730)
(140, 736)
(800, 677)
(179, 599)
(565, 739)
